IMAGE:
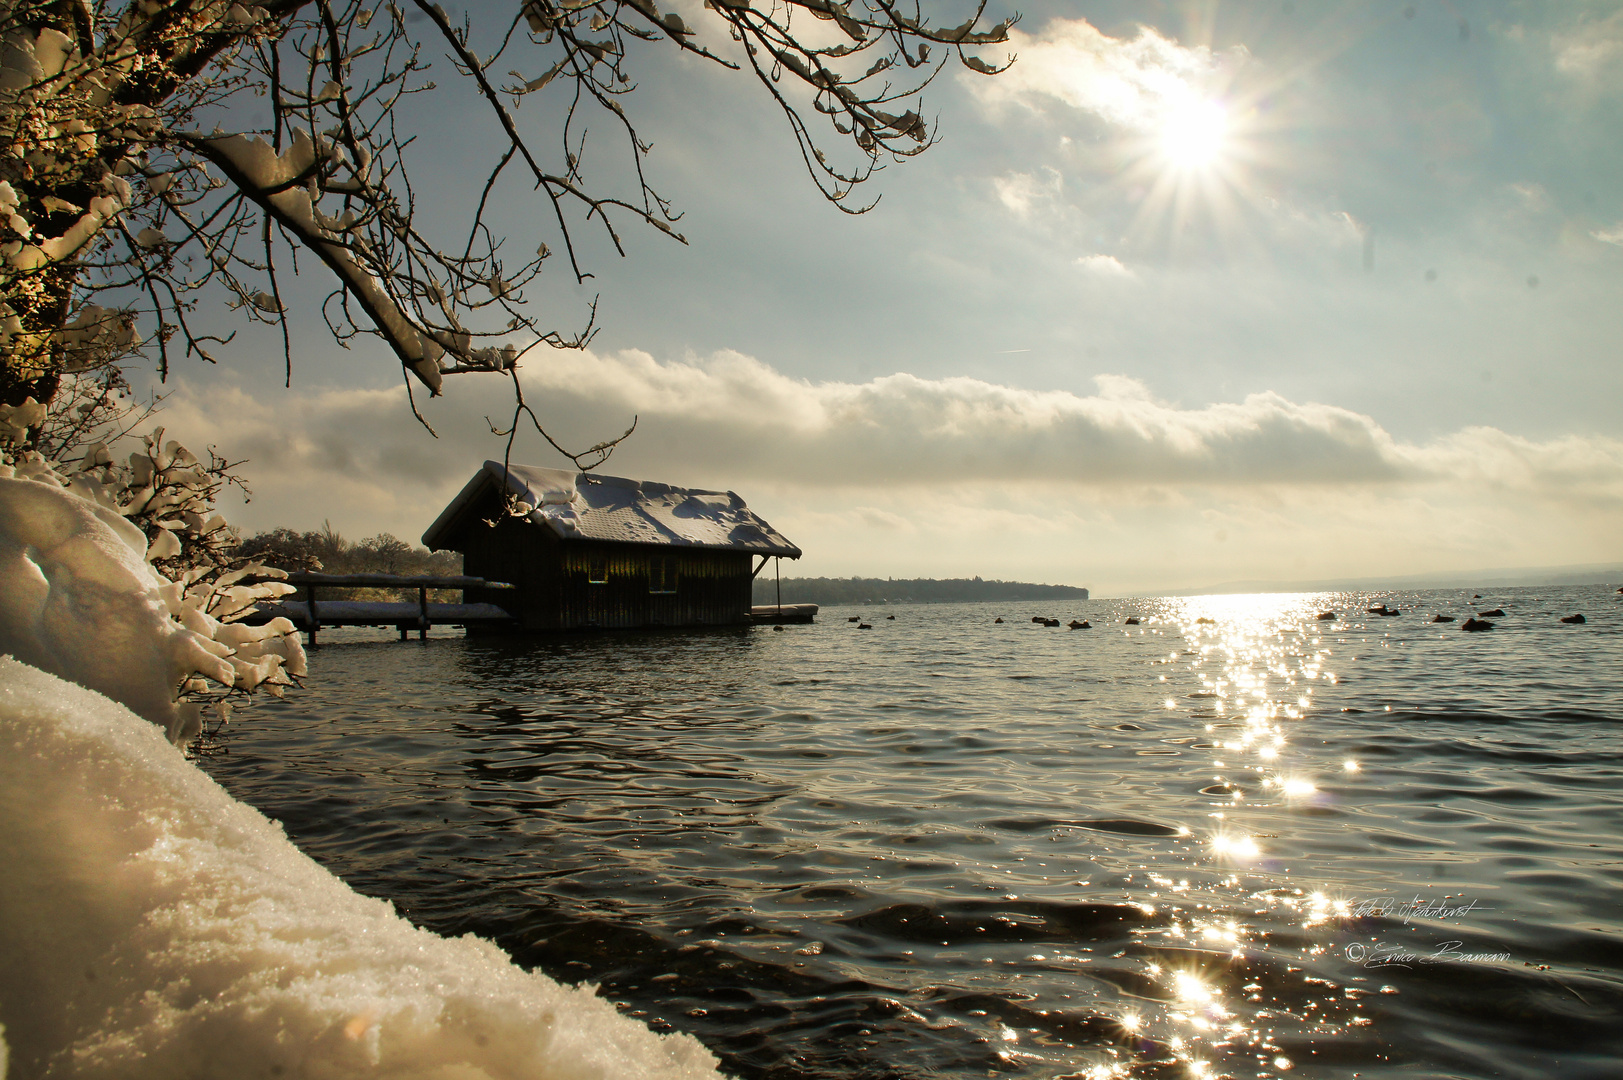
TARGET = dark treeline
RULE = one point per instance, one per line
(326, 551)
(856, 590)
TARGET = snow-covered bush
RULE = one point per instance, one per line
(116, 574)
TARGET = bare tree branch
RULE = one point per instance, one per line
(115, 195)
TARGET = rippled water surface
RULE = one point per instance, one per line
(1234, 839)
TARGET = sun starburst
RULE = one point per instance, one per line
(1194, 134)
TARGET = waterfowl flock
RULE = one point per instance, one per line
(1473, 624)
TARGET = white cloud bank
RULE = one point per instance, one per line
(978, 477)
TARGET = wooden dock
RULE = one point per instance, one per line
(312, 614)
(767, 614)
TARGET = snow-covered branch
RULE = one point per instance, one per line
(130, 188)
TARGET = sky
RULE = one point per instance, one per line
(1192, 293)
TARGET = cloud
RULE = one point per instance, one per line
(731, 416)
(1591, 48)
(354, 456)
(1576, 467)
(1019, 191)
(733, 412)
(1532, 196)
(910, 476)
(1200, 539)
(1130, 83)
(1104, 266)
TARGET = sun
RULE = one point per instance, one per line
(1193, 134)
(1193, 158)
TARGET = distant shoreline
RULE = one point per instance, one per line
(848, 591)
(1499, 578)
(835, 591)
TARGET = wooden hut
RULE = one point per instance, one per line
(604, 551)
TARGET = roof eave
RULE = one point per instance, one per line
(450, 517)
(789, 552)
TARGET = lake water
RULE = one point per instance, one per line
(1232, 840)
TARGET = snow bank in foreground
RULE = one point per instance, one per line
(153, 927)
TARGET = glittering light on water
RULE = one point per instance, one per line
(1253, 670)
(1235, 844)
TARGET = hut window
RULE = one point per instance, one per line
(597, 570)
(661, 574)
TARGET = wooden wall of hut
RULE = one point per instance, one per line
(576, 584)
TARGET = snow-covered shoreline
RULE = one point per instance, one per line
(153, 926)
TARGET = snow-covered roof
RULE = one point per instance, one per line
(586, 506)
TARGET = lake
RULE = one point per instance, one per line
(1232, 840)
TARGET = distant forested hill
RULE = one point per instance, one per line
(328, 552)
(829, 591)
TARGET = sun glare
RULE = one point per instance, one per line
(1193, 134)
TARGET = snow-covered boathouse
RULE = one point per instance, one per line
(603, 551)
